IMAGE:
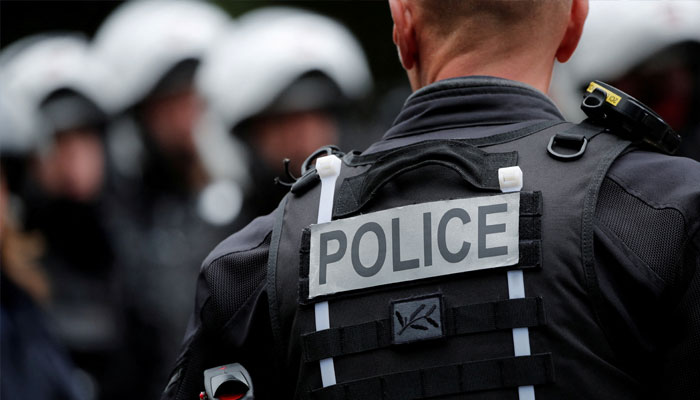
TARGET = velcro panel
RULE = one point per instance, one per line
(530, 253)
(499, 373)
(531, 203)
(417, 319)
(304, 254)
(530, 230)
(473, 318)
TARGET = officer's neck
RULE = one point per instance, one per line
(533, 68)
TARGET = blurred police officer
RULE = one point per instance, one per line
(52, 90)
(458, 257)
(279, 81)
(153, 48)
(34, 361)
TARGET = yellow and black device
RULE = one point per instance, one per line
(627, 116)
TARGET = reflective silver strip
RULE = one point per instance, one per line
(328, 169)
(516, 284)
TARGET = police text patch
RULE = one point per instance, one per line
(414, 242)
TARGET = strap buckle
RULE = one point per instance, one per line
(571, 141)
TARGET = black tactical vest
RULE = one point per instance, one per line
(417, 334)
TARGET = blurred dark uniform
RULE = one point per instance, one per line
(79, 257)
(159, 237)
(34, 364)
(624, 324)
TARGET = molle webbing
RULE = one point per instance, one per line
(557, 217)
(472, 318)
(499, 373)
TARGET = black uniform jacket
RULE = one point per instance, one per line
(647, 250)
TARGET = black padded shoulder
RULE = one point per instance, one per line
(247, 238)
(662, 181)
(231, 280)
(647, 236)
(649, 205)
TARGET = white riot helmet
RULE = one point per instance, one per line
(618, 36)
(267, 50)
(142, 40)
(36, 67)
(14, 140)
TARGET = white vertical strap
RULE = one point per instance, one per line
(323, 322)
(328, 169)
(511, 180)
(516, 290)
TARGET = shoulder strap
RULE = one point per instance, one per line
(271, 286)
(474, 166)
(589, 207)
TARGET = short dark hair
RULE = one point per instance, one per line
(445, 16)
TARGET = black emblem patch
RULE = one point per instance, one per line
(417, 319)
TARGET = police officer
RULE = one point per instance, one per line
(51, 90)
(158, 181)
(458, 257)
(280, 81)
(34, 361)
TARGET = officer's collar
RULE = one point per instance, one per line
(471, 101)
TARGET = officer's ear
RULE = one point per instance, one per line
(404, 33)
(577, 18)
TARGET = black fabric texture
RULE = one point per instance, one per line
(679, 363)
(450, 104)
(183, 382)
(271, 287)
(232, 280)
(473, 318)
(650, 265)
(587, 231)
(630, 219)
(446, 380)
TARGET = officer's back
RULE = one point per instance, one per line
(428, 267)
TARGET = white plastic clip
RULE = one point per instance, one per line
(327, 166)
(510, 179)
